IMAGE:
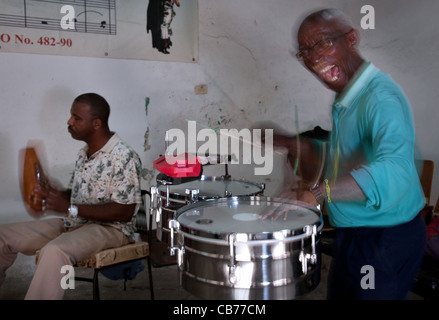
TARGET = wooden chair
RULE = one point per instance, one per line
(436, 208)
(112, 257)
(116, 256)
(427, 280)
(426, 178)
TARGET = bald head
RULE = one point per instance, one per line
(334, 16)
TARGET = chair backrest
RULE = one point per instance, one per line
(436, 208)
(426, 178)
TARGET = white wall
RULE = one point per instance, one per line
(244, 58)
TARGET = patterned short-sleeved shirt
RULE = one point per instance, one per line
(111, 174)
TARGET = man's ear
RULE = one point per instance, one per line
(353, 39)
(97, 123)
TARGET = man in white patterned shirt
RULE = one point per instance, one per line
(97, 212)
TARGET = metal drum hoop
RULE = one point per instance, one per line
(264, 236)
(165, 200)
(182, 198)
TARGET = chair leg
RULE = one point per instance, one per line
(96, 294)
(151, 286)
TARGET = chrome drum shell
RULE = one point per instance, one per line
(173, 197)
(247, 262)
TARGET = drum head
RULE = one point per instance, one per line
(213, 187)
(258, 217)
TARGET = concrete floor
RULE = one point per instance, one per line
(165, 280)
(171, 300)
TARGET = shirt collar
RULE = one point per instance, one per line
(111, 143)
(107, 148)
(360, 79)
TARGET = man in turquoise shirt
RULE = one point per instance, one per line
(370, 184)
(373, 141)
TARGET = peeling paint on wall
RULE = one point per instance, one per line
(147, 174)
(146, 145)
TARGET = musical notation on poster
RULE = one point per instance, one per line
(87, 16)
(91, 28)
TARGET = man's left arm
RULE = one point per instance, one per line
(57, 201)
(388, 175)
(124, 190)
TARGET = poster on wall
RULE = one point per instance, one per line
(165, 30)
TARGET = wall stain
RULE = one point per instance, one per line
(146, 145)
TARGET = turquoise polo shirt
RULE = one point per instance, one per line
(373, 140)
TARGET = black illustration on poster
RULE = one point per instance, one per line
(159, 17)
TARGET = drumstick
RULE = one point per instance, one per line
(296, 162)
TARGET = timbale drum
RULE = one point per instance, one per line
(247, 248)
(166, 199)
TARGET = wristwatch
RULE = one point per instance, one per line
(73, 211)
(315, 190)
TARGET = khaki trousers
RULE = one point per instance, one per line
(57, 246)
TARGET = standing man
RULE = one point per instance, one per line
(95, 214)
(370, 183)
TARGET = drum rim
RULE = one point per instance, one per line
(260, 186)
(253, 236)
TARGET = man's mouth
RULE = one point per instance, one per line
(329, 73)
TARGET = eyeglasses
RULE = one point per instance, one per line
(320, 47)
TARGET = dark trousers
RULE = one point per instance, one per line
(376, 263)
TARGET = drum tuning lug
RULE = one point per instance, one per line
(304, 258)
(233, 278)
(193, 195)
(180, 253)
(172, 251)
(153, 198)
(155, 206)
(232, 275)
(180, 257)
(311, 258)
(173, 224)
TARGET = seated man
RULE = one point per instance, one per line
(96, 213)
